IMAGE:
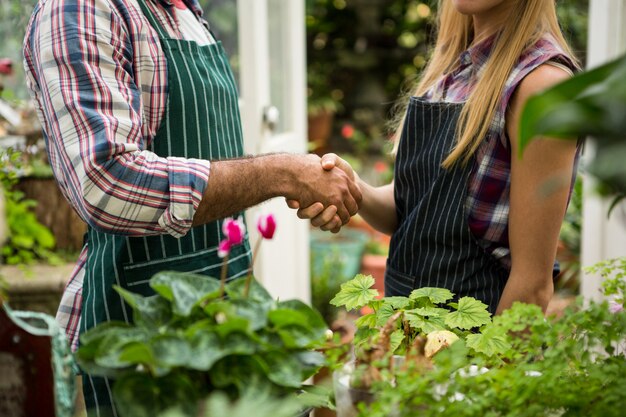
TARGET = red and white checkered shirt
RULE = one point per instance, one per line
(96, 71)
(488, 199)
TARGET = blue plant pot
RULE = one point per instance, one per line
(343, 250)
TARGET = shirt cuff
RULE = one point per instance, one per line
(188, 178)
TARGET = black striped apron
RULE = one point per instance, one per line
(433, 245)
(201, 121)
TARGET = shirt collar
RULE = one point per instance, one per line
(478, 53)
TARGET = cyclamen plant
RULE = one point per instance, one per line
(198, 335)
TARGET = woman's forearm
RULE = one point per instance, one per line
(378, 207)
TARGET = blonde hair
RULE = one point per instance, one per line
(528, 21)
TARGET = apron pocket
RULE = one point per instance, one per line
(397, 283)
(136, 276)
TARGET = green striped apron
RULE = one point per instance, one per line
(201, 121)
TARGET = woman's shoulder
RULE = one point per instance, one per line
(546, 49)
(539, 79)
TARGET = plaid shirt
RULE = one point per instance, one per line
(98, 75)
(488, 201)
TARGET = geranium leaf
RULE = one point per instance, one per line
(488, 345)
(436, 295)
(397, 302)
(423, 322)
(470, 313)
(396, 340)
(355, 293)
(368, 320)
(384, 314)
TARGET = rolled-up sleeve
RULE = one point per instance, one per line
(80, 65)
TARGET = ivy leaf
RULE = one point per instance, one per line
(436, 295)
(355, 293)
(470, 313)
(486, 344)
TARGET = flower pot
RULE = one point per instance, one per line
(343, 250)
(320, 126)
(347, 398)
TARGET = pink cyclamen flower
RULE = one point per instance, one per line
(224, 248)
(615, 307)
(266, 226)
(235, 230)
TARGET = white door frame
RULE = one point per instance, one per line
(283, 263)
(602, 238)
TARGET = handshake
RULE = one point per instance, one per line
(330, 196)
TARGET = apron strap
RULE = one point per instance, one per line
(154, 22)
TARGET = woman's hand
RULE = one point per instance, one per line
(325, 218)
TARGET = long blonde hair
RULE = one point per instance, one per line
(528, 21)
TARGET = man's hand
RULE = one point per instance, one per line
(325, 217)
(324, 189)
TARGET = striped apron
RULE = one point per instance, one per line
(433, 245)
(201, 121)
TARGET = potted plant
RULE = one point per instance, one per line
(405, 333)
(198, 335)
(571, 366)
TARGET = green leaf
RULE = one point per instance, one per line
(356, 293)
(111, 350)
(470, 313)
(152, 312)
(236, 288)
(231, 325)
(316, 396)
(436, 295)
(397, 302)
(283, 370)
(558, 103)
(426, 324)
(396, 340)
(368, 320)
(253, 403)
(140, 395)
(487, 345)
(171, 351)
(384, 314)
(184, 290)
(254, 311)
(206, 349)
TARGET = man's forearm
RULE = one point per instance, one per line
(237, 184)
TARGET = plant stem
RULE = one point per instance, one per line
(223, 276)
(255, 253)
